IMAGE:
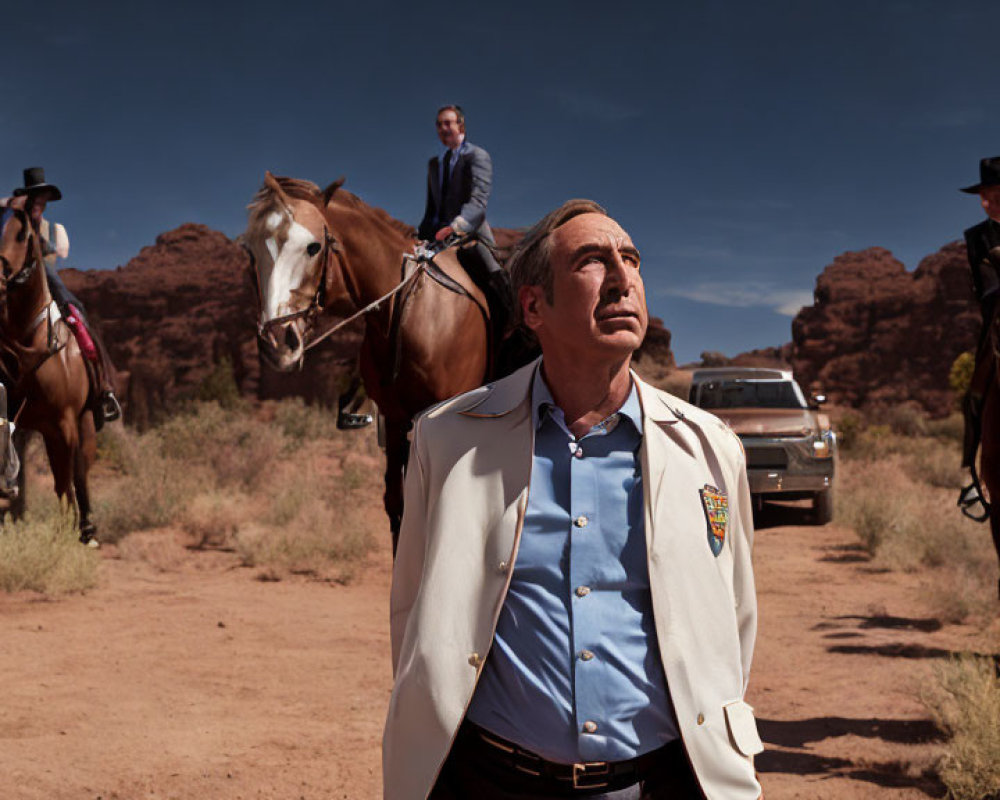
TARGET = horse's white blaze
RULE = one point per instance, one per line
(290, 270)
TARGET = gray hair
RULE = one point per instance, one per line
(531, 262)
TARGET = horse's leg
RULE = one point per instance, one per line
(83, 459)
(60, 445)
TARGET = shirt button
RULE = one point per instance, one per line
(578, 452)
(590, 726)
(582, 591)
(586, 655)
(581, 521)
(701, 719)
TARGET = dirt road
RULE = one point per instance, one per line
(185, 676)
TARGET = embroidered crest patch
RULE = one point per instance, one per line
(716, 506)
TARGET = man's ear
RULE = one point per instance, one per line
(530, 298)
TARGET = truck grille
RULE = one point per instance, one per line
(766, 458)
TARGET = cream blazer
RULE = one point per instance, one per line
(465, 498)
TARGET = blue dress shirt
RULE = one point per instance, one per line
(574, 673)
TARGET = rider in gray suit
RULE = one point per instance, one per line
(458, 206)
(458, 188)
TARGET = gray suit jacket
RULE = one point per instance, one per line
(468, 193)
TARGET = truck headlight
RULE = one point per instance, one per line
(823, 446)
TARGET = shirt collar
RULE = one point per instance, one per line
(542, 405)
(454, 153)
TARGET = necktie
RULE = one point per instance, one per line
(445, 179)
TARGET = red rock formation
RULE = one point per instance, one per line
(878, 334)
(185, 305)
(177, 310)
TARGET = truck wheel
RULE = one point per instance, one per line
(823, 506)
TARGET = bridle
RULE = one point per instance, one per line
(33, 257)
(317, 303)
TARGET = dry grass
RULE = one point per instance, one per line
(42, 553)
(964, 700)
(279, 485)
(906, 519)
(898, 485)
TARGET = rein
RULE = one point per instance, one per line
(421, 267)
(331, 247)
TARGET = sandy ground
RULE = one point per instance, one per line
(184, 675)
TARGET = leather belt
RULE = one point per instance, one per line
(586, 775)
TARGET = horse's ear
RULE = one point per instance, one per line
(330, 190)
(272, 183)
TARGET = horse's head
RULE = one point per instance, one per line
(16, 241)
(293, 254)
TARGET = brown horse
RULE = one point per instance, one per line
(989, 464)
(45, 370)
(326, 256)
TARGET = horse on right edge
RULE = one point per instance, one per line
(974, 502)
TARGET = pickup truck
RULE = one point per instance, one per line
(790, 446)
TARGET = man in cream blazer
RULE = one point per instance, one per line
(457, 579)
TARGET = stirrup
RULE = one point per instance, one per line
(969, 498)
(110, 407)
(346, 422)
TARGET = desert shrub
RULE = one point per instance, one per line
(935, 462)
(300, 422)
(110, 446)
(42, 553)
(908, 523)
(951, 428)
(901, 522)
(904, 419)
(849, 428)
(152, 493)
(238, 448)
(219, 386)
(960, 374)
(964, 700)
(311, 519)
(212, 518)
(190, 436)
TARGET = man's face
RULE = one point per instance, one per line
(36, 206)
(989, 196)
(598, 299)
(449, 131)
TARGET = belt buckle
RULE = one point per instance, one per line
(583, 774)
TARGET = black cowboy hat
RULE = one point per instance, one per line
(989, 175)
(34, 183)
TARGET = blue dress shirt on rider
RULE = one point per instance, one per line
(574, 673)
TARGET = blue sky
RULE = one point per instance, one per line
(743, 145)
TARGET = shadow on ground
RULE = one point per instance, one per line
(798, 733)
(776, 514)
(801, 733)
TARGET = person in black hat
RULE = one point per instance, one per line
(982, 244)
(55, 245)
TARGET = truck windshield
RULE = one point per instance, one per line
(750, 394)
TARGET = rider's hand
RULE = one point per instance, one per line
(444, 233)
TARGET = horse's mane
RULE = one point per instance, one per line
(353, 201)
(266, 200)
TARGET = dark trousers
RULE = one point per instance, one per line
(476, 771)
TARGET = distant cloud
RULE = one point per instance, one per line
(747, 294)
(949, 118)
(591, 106)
